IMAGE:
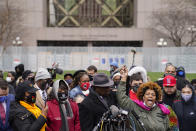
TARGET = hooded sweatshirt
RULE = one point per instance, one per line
(61, 114)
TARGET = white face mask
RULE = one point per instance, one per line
(186, 97)
(8, 79)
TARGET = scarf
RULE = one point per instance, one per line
(161, 106)
(173, 120)
(34, 110)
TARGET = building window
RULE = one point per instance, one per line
(90, 13)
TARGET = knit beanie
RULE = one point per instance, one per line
(42, 74)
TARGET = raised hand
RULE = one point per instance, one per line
(124, 73)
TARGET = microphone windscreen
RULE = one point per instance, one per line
(59, 71)
(114, 110)
(124, 112)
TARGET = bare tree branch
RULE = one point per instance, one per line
(10, 26)
(175, 20)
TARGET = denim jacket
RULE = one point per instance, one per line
(75, 91)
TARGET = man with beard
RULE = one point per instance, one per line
(170, 92)
(97, 102)
(42, 78)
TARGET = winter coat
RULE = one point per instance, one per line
(170, 99)
(13, 83)
(7, 126)
(11, 89)
(186, 113)
(54, 121)
(92, 109)
(155, 119)
(132, 95)
(22, 120)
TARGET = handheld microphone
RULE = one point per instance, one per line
(115, 111)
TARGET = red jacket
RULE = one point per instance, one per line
(54, 117)
(132, 95)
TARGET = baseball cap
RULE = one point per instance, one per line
(114, 64)
(169, 81)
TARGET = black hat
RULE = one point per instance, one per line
(26, 86)
(102, 80)
(20, 66)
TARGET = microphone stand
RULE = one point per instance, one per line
(101, 120)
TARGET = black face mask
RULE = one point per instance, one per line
(62, 97)
(90, 77)
(50, 82)
(32, 80)
(112, 69)
(31, 98)
(19, 72)
(43, 85)
(135, 88)
(116, 83)
(169, 74)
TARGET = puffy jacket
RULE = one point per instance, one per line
(186, 113)
(54, 117)
(155, 119)
(23, 120)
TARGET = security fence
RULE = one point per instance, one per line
(73, 58)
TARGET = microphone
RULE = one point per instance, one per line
(115, 111)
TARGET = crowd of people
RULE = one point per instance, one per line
(86, 100)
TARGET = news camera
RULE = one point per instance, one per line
(55, 70)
